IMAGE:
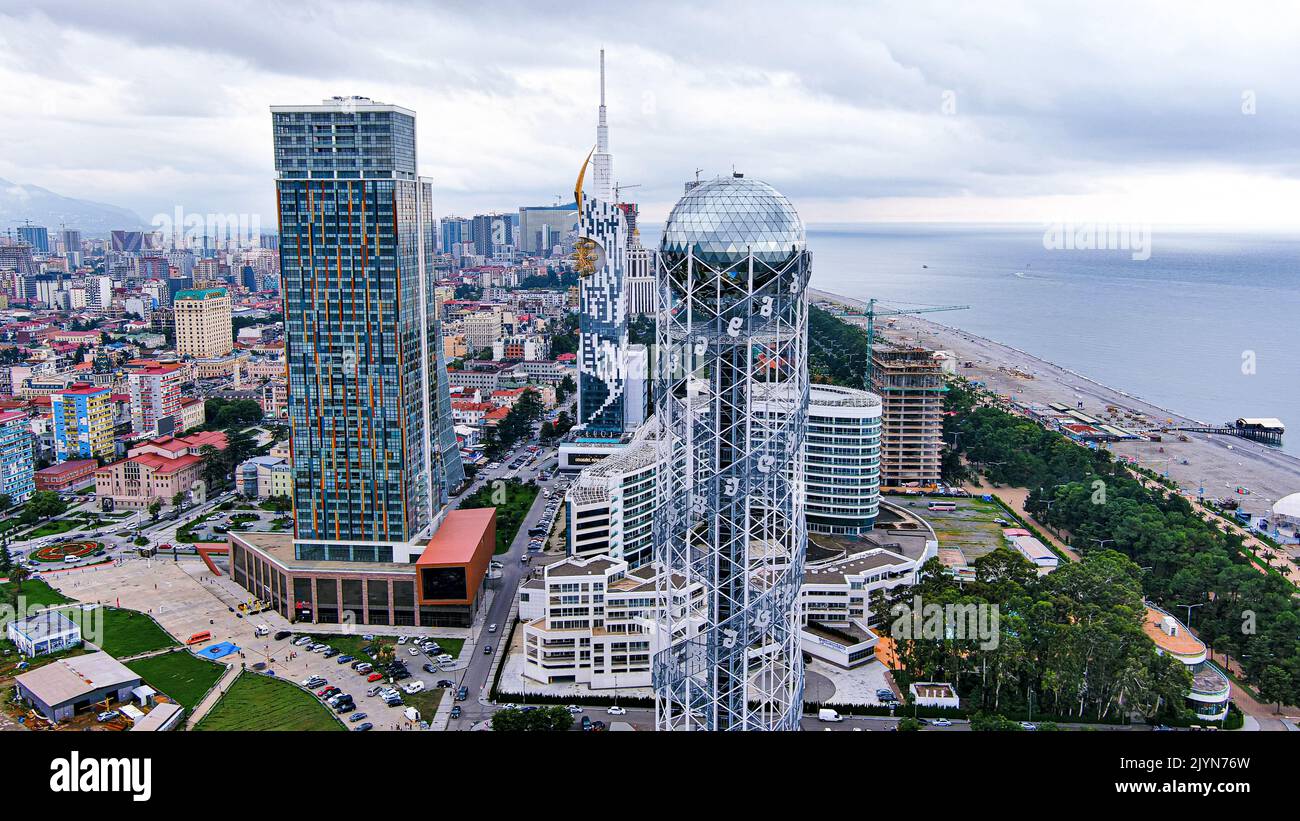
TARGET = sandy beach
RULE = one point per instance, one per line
(1217, 463)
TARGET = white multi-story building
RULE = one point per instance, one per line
(610, 507)
(482, 329)
(640, 286)
(592, 621)
(842, 458)
(835, 603)
(99, 292)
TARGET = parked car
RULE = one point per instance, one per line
(346, 707)
(941, 722)
(444, 658)
(446, 682)
(361, 728)
(586, 724)
(573, 708)
(1028, 725)
(282, 635)
(455, 711)
(313, 681)
(374, 691)
(365, 667)
(330, 653)
(346, 659)
(616, 711)
(413, 651)
(462, 694)
(355, 717)
(401, 639)
(375, 677)
(327, 692)
(107, 715)
(429, 668)
(414, 687)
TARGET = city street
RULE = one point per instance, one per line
(477, 677)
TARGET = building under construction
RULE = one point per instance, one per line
(909, 381)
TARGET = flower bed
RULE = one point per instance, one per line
(60, 552)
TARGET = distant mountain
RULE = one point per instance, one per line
(44, 207)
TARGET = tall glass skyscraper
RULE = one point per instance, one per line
(366, 386)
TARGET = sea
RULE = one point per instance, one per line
(1204, 323)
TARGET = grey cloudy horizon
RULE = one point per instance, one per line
(999, 112)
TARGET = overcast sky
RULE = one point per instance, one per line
(995, 111)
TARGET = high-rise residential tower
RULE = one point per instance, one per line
(83, 422)
(602, 306)
(16, 465)
(732, 397)
(365, 382)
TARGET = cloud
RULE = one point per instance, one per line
(855, 110)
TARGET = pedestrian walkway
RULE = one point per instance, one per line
(213, 696)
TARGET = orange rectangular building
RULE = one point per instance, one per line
(454, 564)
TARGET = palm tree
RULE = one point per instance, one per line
(19, 575)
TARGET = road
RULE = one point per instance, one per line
(477, 676)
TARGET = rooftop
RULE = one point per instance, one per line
(200, 293)
(458, 537)
(44, 624)
(72, 678)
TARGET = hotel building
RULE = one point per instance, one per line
(203, 327)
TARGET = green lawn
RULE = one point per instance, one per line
(54, 528)
(182, 676)
(510, 513)
(36, 593)
(126, 632)
(426, 701)
(261, 702)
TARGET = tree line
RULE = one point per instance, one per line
(1097, 503)
(1068, 644)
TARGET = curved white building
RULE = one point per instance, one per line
(841, 459)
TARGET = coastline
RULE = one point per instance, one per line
(1217, 463)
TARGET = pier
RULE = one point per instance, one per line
(1267, 431)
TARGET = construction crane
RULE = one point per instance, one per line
(618, 197)
(872, 312)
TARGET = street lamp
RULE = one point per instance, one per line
(1189, 611)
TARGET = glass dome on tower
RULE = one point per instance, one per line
(724, 219)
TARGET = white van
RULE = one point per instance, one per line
(261, 630)
(828, 715)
